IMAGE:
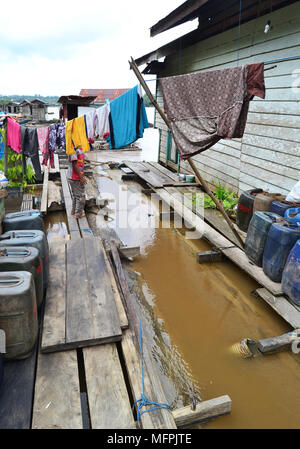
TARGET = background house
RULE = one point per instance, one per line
(35, 108)
(71, 105)
(12, 107)
(102, 94)
(268, 155)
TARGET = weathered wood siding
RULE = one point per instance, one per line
(268, 156)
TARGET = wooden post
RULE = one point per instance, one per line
(191, 162)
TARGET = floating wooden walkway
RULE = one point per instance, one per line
(85, 371)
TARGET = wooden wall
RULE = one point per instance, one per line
(268, 155)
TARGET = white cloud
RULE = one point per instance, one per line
(59, 47)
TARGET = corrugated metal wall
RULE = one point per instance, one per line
(268, 156)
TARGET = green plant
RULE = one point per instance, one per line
(227, 198)
(15, 170)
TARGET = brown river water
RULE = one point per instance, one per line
(195, 314)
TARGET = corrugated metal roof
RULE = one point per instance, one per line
(102, 94)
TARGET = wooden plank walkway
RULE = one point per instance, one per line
(17, 393)
(154, 176)
(80, 306)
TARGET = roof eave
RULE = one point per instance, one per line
(185, 12)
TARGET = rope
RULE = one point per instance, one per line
(239, 33)
(144, 402)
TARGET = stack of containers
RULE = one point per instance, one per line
(23, 280)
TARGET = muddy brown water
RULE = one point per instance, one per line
(55, 224)
(197, 313)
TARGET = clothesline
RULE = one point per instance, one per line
(123, 120)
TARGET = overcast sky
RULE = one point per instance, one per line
(62, 46)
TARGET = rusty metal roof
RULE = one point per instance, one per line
(76, 99)
(102, 94)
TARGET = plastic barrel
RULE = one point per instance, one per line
(34, 238)
(291, 275)
(278, 207)
(292, 216)
(280, 242)
(263, 201)
(18, 313)
(245, 208)
(24, 258)
(29, 219)
(257, 235)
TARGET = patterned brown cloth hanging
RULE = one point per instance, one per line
(204, 107)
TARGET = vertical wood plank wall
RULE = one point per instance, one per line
(268, 155)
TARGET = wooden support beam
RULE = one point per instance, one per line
(129, 251)
(204, 411)
(129, 177)
(200, 179)
(282, 342)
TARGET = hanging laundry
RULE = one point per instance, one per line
(127, 118)
(102, 120)
(76, 135)
(13, 135)
(30, 148)
(207, 106)
(90, 119)
(1, 143)
(43, 138)
(60, 136)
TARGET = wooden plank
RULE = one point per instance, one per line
(91, 316)
(57, 395)
(164, 170)
(156, 419)
(53, 334)
(105, 315)
(160, 418)
(43, 207)
(108, 399)
(235, 254)
(129, 251)
(203, 412)
(146, 174)
(282, 306)
(117, 295)
(17, 392)
(72, 222)
(54, 201)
